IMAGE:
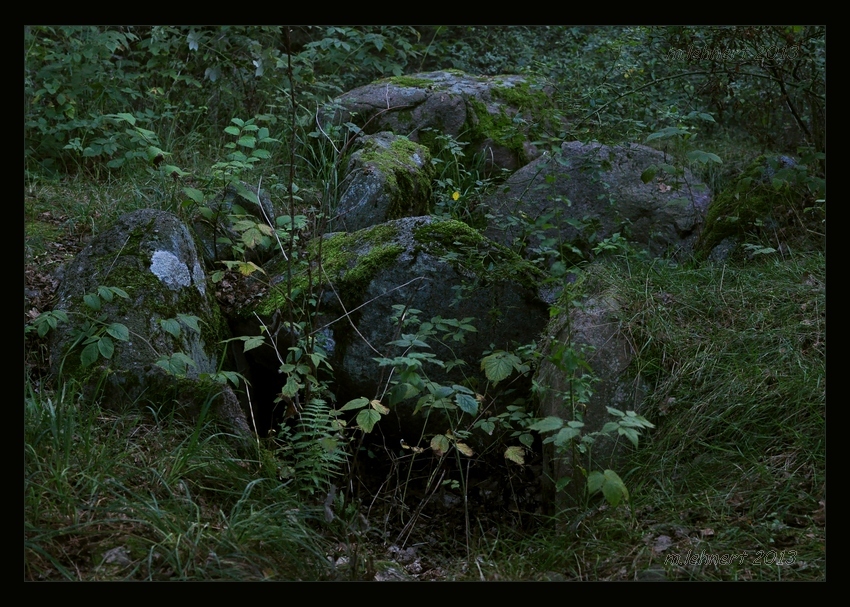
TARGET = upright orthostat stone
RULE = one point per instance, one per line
(171, 319)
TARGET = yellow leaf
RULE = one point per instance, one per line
(515, 454)
(464, 448)
(248, 268)
(377, 406)
(456, 195)
(440, 444)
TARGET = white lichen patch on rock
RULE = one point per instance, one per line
(174, 273)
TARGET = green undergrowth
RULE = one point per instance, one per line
(353, 257)
(141, 495)
(731, 483)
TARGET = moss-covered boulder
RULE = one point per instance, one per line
(588, 192)
(388, 177)
(385, 283)
(496, 116)
(142, 324)
(773, 201)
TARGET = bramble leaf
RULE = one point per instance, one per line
(357, 403)
(515, 454)
(467, 403)
(367, 419)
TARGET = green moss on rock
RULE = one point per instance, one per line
(411, 82)
(350, 260)
(408, 182)
(471, 253)
(743, 207)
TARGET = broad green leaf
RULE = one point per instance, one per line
(488, 427)
(153, 152)
(170, 170)
(703, 157)
(230, 376)
(610, 427)
(526, 439)
(613, 488)
(89, 354)
(357, 403)
(263, 154)
(666, 133)
(232, 130)
(515, 454)
(252, 238)
(44, 327)
(171, 326)
(402, 391)
(105, 293)
(633, 420)
(547, 424)
(629, 433)
(144, 133)
(247, 141)
(367, 419)
(564, 436)
(499, 365)
(595, 480)
(253, 342)
(669, 168)
(92, 301)
(118, 331)
(649, 174)
(105, 346)
(291, 387)
(246, 193)
(128, 117)
(438, 390)
(467, 403)
(194, 194)
(190, 320)
(184, 359)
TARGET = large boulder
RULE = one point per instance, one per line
(772, 200)
(495, 116)
(589, 192)
(378, 280)
(160, 343)
(388, 177)
(588, 331)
